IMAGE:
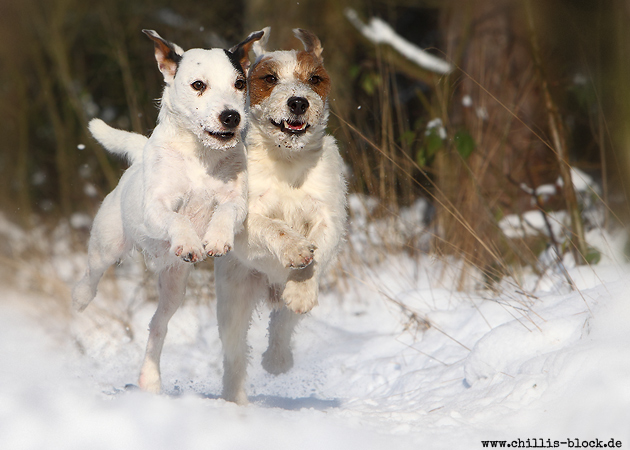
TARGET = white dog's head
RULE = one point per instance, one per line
(205, 89)
(288, 92)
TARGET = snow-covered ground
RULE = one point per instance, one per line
(393, 358)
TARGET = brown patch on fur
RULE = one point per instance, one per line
(311, 42)
(241, 51)
(259, 87)
(165, 54)
(310, 70)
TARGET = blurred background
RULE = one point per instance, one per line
(531, 117)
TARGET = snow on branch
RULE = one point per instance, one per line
(380, 32)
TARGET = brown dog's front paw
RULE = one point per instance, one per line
(299, 255)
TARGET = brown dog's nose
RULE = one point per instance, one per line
(297, 105)
(230, 118)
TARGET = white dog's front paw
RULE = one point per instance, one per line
(298, 253)
(188, 248)
(218, 243)
(217, 249)
(300, 296)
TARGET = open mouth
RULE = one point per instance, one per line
(221, 135)
(291, 126)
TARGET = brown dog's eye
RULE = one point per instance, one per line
(271, 79)
(240, 84)
(315, 79)
(198, 85)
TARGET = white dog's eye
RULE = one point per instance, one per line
(315, 79)
(198, 85)
(240, 84)
(271, 79)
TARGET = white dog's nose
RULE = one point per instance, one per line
(230, 118)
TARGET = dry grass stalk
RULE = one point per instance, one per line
(579, 247)
(495, 59)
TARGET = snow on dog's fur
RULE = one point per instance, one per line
(184, 196)
(296, 208)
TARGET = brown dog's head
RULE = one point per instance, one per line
(288, 93)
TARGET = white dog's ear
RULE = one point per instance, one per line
(241, 51)
(167, 54)
(260, 47)
(311, 42)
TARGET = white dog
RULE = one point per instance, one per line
(296, 202)
(296, 208)
(184, 196)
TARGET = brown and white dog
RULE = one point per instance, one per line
(296, 208)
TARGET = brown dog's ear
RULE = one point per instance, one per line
(311, 42)
(167, 54)
(241, 51)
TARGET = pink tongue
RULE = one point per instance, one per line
(294, 127)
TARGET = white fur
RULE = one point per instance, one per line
(128, 145)
(184, 196)
(295, 224)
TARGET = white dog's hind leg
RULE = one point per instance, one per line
(237, 288)
(279, 358)
(171, 287)
(107, 245)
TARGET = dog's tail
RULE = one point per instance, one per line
(117, 141)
